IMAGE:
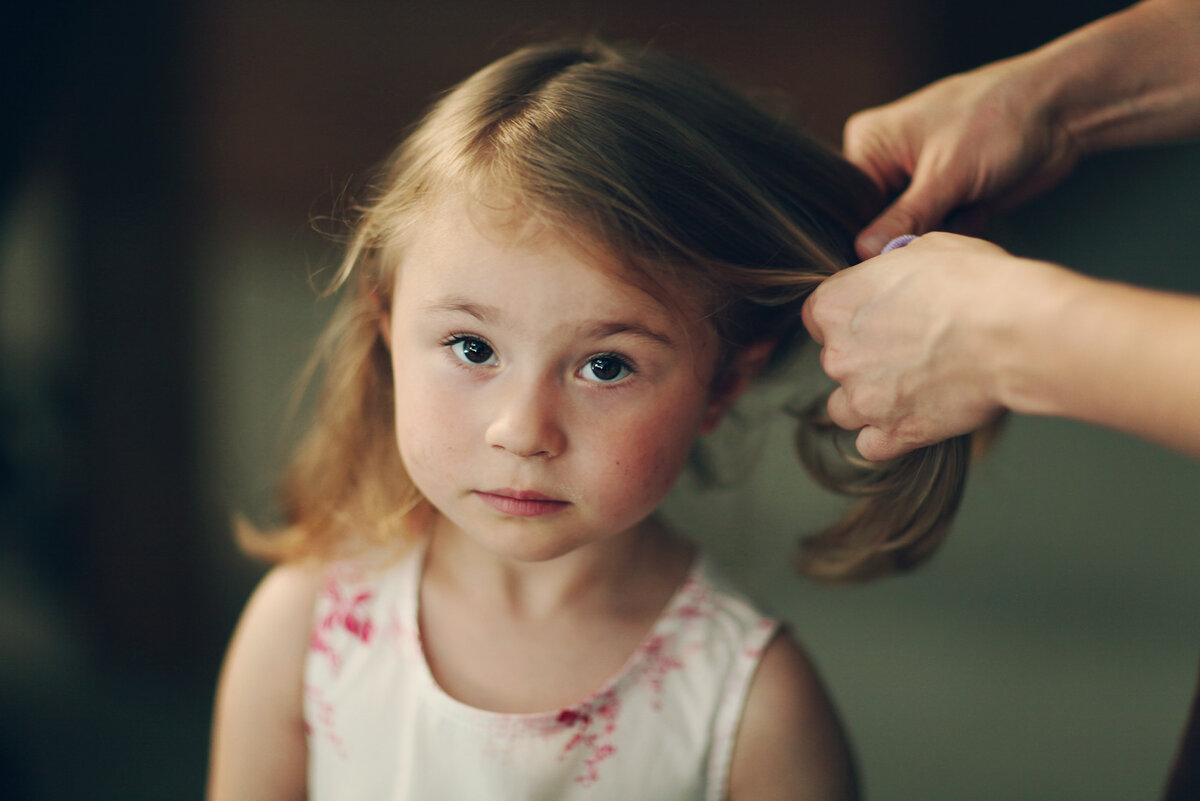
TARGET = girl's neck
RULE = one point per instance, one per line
(509, 636)
(643, 563)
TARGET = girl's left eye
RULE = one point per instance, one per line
(606, 369)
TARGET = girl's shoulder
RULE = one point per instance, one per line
(273, 632)
(790, 734)
(259, 718)
(264, 664)
(370, 573)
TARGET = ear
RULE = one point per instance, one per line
(383, 311)
(739, 373)
(385, 326)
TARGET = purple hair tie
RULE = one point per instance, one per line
(898, 242)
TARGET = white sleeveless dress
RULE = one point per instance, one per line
(379, 727)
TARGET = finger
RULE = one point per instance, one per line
(875, 445)
(920, 209)
(870, 144)
(808, 317)
(840, 413)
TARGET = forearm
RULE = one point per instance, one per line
(1132, 78)
(1109, 354)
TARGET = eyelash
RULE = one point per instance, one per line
(456, 339)
(627, 367)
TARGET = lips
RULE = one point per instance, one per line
(521, 503)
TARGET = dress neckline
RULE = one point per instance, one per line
(673, 612)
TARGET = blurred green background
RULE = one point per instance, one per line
(166, 172)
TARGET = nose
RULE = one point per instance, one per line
(526, 420)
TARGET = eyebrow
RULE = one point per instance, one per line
(608, 329)
(597, 330)
(479, 312)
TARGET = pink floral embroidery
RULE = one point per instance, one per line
(695, 602)
(324, 725)
(345, 615)
(662, 653)
(658, 664)
(594, 723)
(691, 612)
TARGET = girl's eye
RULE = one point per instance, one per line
(606, 369)
(472, 350)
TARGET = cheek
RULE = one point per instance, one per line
(428, 429)
(646, 457)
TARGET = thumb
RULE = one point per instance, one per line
(920, 209)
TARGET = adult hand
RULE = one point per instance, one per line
(976, 144)
(909, 336)
(985, 140)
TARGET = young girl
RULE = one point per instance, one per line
(571, 269)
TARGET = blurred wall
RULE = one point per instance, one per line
(166, 176)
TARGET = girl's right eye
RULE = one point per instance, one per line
(472, 350)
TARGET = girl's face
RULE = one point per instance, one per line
(542, 402)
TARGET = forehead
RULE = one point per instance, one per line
(502, 244)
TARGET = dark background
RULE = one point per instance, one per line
(166, 173)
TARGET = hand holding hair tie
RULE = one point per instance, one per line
(937, 338)
(907, 338)
(972, 145)
(959, 151)
(977, 143)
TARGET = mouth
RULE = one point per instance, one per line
(521, 503)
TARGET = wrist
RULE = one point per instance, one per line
(1127, 79)
(1035, 346)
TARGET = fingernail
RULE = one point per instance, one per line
(873, 241)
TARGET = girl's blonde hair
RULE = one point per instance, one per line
(692, 185)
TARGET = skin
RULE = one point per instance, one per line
(535, 415)
(936, 339)
(939, 337)
(544, 407)
(983, 141)
(258, 747)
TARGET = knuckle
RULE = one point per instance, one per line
(824, 310)
(854, 123)
(861, 122)
(870, 403)
(940, 238)
(810, 316)
(861, 134)
(833, 363)
(835, 407)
